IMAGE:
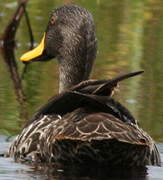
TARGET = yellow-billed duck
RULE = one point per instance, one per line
(83, 124)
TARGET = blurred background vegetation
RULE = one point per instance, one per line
(130, 38)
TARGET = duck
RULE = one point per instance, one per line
(83, 124)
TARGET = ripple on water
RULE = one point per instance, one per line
(9, 170)
(155, 173)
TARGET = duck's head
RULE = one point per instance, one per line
(69, 37)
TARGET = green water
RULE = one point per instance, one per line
(130, 38)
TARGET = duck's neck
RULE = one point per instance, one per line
(76, 59)
(73, 71)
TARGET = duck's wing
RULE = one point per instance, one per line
(71, 100)
(103, 87)
(83, 93)
(88, 136)
(85, 124)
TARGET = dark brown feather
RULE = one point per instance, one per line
(102, 87)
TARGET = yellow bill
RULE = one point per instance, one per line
(34, 52)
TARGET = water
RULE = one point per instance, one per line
(130, 37)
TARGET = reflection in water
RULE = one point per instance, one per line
(11, 170)
(91, 173)
(15, 171)
(152, 94)
(7, 49)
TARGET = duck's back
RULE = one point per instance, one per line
(92, 129)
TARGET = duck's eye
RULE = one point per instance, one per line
(52, 20)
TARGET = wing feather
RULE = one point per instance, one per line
(104, 126)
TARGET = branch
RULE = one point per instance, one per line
(8, 39)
